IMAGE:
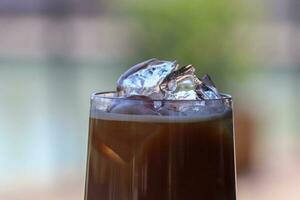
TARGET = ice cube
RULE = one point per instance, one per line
(206, 89)
(145, 78)
(180, 84)
(138, 105)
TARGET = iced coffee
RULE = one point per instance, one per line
(164, 134)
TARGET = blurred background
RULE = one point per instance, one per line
(55, 53)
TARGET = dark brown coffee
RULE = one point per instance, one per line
(160, 158)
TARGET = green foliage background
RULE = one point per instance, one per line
(198, 32)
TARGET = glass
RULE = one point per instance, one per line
(141, 156)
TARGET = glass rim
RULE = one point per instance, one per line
(101, 95)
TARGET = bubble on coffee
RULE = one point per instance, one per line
(155, 80)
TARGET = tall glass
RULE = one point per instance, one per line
(135, 154)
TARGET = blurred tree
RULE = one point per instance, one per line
(200, 32)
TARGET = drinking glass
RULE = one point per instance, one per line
(141, 149)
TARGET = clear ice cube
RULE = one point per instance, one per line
(145, 78)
